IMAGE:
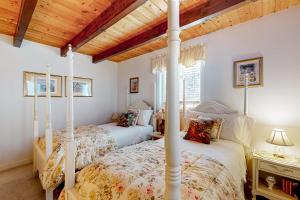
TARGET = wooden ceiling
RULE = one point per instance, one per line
(107, 29)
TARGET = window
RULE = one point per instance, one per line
(192, 77)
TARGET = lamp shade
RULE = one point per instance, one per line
(279, 137)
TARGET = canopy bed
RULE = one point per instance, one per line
(169, 168)
(89, 143)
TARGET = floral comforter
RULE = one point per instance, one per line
(92, 143)
(137, 172)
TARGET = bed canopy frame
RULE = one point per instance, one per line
(172, 136)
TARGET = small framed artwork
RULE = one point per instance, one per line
(29, 84)
(252, 67)
(134, 85)
(82, 87)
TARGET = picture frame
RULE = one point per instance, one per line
(253, 67)
(82, 87)
(134, 85)
(29, 84)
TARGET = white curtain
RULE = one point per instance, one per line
(188, 58)
(159, 63)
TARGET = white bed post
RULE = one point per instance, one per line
(246, 94)
(69, 138)
(127, 99)
(49, 194)
(35, 123)
(183, 101)
(36, 120)
(159, 83)
(154, 104)
(172, 138)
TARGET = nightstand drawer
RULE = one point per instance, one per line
(278, 169)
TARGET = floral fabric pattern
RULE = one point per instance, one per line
(91, 143)
(215, 126)
(137, 172)
(128, 119)
(135, 115)
(199, 131)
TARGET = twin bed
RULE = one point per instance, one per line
(92, 142)
(123, 136)
(215, 171)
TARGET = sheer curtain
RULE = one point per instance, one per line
(192, 55)
(159, 69)
(192, 61)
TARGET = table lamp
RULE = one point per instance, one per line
(278, 137)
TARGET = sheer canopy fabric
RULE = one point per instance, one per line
(188, 58)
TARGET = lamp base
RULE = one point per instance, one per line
(279, 152)
(278, 155)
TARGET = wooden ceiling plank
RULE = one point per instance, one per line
(27, 9)
(188, 17)
(110, 16)
(268, 7)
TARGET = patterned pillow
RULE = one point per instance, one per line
(128, 119)
(215, 125)
(123, 120)
(135, 115)
(199, 131)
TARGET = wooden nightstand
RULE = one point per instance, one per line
(156, 136)
(266, 164)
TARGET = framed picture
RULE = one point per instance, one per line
(134, 85)
(252, 67)
(29, 81)
(82, 87)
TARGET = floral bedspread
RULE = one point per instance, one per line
(92, 143)
(137, 172)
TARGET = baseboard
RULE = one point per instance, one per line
(7, 166)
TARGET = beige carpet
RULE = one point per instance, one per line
(20, 184)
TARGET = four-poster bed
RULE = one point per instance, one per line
(128, 173)
(85, 144)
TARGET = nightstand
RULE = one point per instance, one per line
(156, 136)
(265, 164)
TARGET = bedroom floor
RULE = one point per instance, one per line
(20, 183)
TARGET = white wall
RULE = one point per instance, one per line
(276, 38)
(16, 111)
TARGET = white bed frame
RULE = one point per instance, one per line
(172, 137)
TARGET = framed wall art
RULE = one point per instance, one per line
(82, 87)
(253, 67)
(29, 84)
(134, 85)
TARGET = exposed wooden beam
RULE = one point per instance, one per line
(26, 11)
(188, 18)
(115, 12)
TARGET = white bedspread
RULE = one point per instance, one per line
(126, 136)
(227, 152)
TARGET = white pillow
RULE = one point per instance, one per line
(237, 128)
(214, 107)
(144, 117)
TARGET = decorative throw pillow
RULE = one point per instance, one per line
(215, 125)
(135, 114)
(199, 131)
(123, 120)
